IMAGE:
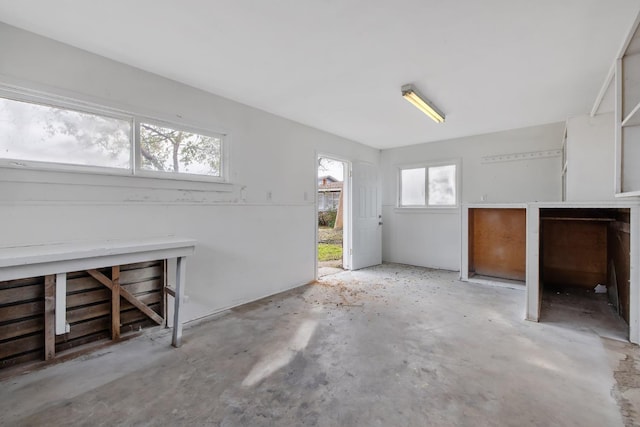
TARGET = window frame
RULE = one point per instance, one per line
(427, 165)
(61, 103)
(134, 170)
(138, 171)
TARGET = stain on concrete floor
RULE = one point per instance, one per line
(387, 346)
(627, 388)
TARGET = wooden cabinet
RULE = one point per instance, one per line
(497, 240)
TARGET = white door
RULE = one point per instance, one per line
(367, 221)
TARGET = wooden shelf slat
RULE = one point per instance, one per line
(560, 218)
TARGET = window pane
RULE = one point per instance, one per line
(442, 185)
(48, 134)
(170, 150)
(412, 183)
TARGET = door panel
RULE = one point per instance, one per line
(367, 228)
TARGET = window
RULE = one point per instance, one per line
(428, 186)
(49, 134)
(412, 184)
(36, 135)
(171, 150)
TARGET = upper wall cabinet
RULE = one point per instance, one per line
(627, 113)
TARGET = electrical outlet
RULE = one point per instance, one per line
(269, 196)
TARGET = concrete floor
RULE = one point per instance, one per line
(387, 346)
(327, 268)
(582, 309)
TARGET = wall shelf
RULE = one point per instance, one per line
(627, 115)
(531, 155)
(633, 118)
(628, 194)
(559, 218)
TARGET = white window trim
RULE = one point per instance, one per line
(426, 165)
(39, 98)
(138, 171)
(47, 99)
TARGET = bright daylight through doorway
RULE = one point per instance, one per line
(331, 214)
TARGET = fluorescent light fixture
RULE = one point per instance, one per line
(413, 96)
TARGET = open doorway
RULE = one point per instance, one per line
(332, 215)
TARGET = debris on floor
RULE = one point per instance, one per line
(600, 289)
(388, 345)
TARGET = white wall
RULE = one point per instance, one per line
(248, 246)
(431, 238)
(590, 154)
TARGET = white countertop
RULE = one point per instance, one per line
(16, 261)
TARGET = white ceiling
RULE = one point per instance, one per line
(338, 65)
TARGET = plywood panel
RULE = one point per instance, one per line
(21, 327)
(498, 237)
(574, 252)
(21, 320)
(22, 294)
(146, 286)
(81, 329)
(66, 345)
(83, 283)
(619, 246)
(133, 276)
(89, 297)
(20, 311)
(89, 311)
(22, 358)
(21, 345)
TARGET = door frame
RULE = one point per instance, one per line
(347, 238)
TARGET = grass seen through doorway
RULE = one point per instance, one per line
(329, 251)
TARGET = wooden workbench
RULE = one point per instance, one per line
(54, 261)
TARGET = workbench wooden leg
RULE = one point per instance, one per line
(115, 302)
(177, 301)
(49, 317)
